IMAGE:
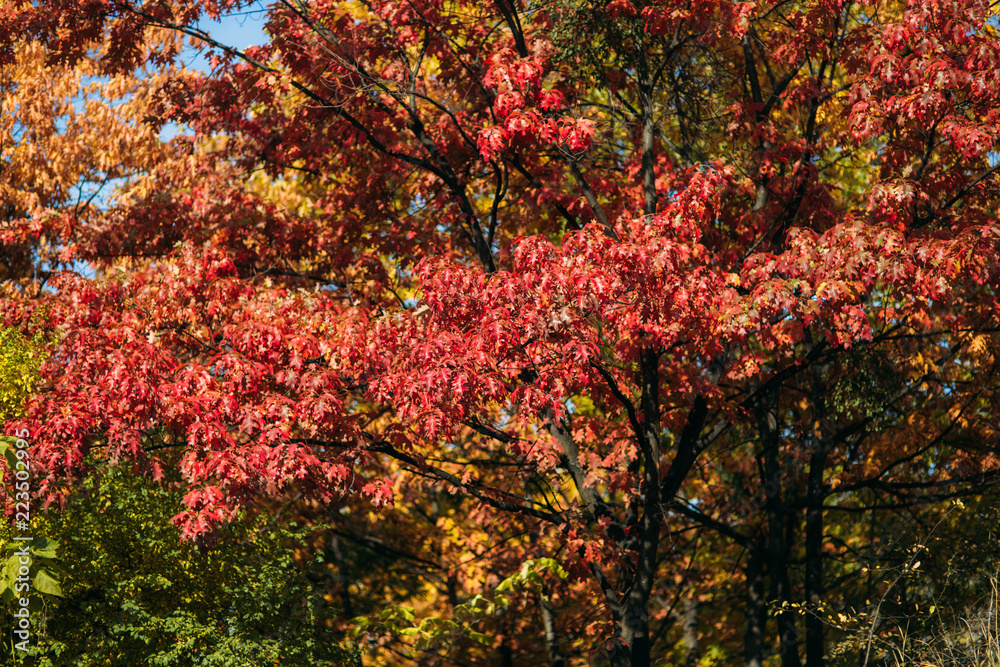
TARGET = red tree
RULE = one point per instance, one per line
(601, 268)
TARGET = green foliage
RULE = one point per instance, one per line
(588, 39)
(530, 576)
(136, 595)
(869, 387)
(927, 590)
(43, 554)
(20, 361)
(36, 553)
(401, 621)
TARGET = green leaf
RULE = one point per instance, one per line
(45, 583)
(9, 452)
(506, 585)
(479, 637)
(44, 547)
(13, 563)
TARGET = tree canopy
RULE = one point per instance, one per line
(630, 332)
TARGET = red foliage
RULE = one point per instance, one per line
(604, 262)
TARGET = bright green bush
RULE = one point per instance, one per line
(20, 361)
(134, 594)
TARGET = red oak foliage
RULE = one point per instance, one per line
(602, 269)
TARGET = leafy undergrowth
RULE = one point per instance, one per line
(135, 594)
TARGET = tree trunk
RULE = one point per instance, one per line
(814, 563)
(343, 581)
(780, 589)
(632, 645)
(549, 627)
(756, 612)
(506, 655)
(689, 627)
(814, 527)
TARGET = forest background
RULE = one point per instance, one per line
(506, 333)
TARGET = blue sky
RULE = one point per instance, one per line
(239, 29)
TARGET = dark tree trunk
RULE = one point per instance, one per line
(814, 567)
(343, 581)
(777, 540)
(815, 492)
(780, 590)
(506, 655)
